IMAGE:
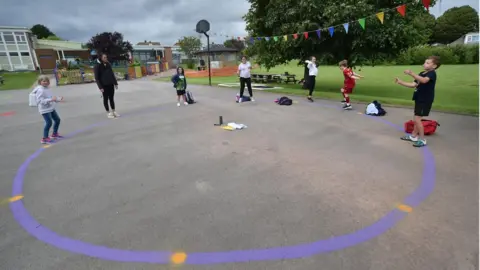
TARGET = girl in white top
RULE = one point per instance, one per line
(312, 74)
(244, 74)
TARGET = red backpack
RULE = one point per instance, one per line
(429, 126)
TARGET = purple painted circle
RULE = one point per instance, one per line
(23, 217)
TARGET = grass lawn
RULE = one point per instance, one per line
(456, 89)
(18, 80)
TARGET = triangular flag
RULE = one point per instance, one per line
(252, 40)
(295, 36)
(319, 33)
(402, 10)
(305, 34)
(267, 38)
(275, 38)
(362, 23)
(330, 29)
(426, 3)
(345, 25)
(380, 16)
(259, 38)
(285, 37)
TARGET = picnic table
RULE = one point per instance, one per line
(273, 78)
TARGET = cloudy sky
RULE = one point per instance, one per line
(157, 20)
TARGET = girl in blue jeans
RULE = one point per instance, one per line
(46, 107)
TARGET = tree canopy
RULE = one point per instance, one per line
(111, 44)
(269, 18)
(235, 44)
(189, 45)
(41, 31)
(454, 23)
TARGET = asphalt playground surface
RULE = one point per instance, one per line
(303, 187)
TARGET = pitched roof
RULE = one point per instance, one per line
(218, 48)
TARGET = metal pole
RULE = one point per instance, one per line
(208, 51)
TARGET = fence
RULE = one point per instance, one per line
(83, 72)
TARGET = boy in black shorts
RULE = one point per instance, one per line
(424, 94)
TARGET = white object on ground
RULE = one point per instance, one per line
(236, 126)
(371, 109)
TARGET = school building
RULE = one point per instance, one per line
(16, 49)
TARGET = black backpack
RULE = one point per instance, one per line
(381, 111)
(285, 101)
(189, 97)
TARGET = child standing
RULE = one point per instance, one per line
(424, 94)
(180, 83)
(243, 72)
(312, 75)
(348, 83)
(46, 106)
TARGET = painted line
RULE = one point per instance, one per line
(23, 217)
(11, 199)
(178, 258)
(404, 208)
(10, 113)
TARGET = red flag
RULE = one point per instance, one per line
(305, 34)
(402, 10)
(426, 3)
(295, 36)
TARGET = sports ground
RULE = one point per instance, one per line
(308, 186)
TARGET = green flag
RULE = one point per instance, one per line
(275, 38)
(362, 23)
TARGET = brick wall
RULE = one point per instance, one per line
(46, 58)
(169, 57)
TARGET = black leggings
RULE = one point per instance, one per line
(311, 84)
(248, 81)
(108, 93)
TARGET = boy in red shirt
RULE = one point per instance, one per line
(348, 83)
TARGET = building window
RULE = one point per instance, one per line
(13, 53)
(21, 39)
(475, 38)
(3, 54)
(8, 38)
(25, 54)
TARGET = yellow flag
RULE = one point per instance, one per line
(380, 16)
(285, 37)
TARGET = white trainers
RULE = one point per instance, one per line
(240, 100)
(115, 114)
(251, 99)
(110, 115)
(185, 103)
(178, 104)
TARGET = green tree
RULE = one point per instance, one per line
(190, 45)
(41, 31)
(53, 37)
(455, 23)
(235, 44)
(377, 42)
(111, 44)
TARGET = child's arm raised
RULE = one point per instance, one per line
(406, 84)
(418, 78)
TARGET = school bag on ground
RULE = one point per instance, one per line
(189, 97)
(375, 109)
(429, 126)
(284, 101)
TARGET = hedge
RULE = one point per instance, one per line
(452, 55)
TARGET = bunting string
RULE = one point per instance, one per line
(402, 10)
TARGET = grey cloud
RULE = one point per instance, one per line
(158, 20)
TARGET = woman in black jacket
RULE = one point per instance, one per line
(107, 83)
